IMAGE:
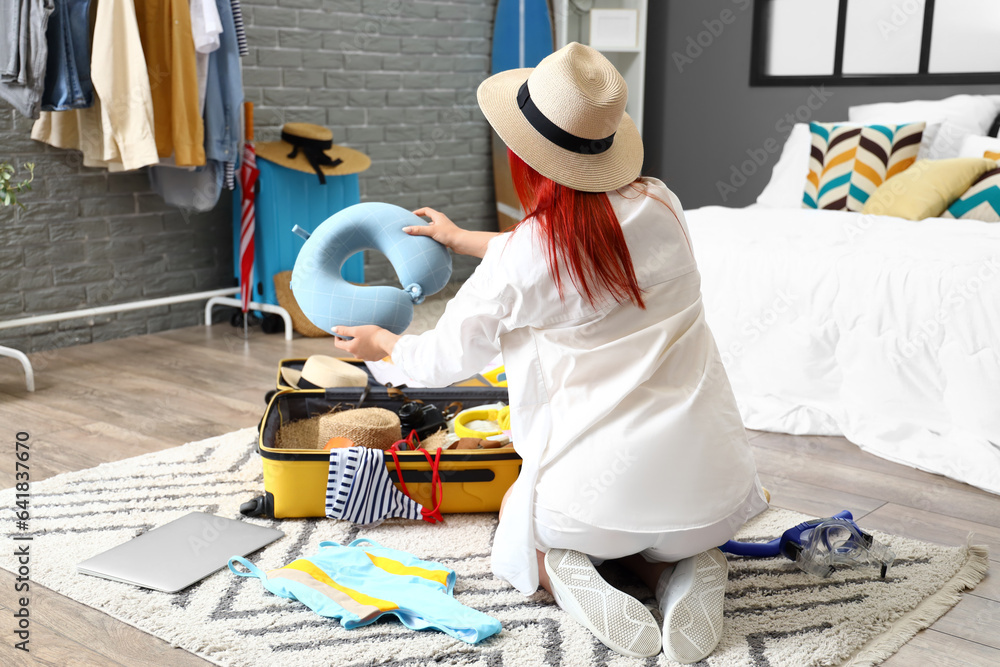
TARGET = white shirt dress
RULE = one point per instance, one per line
(623, 416)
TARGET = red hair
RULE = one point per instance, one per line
(582, 234)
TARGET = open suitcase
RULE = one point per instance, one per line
(295, 480)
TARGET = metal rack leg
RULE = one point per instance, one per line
(263, 307)
(216, 301)
(29, 373)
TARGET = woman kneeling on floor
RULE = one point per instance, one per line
(620, 407)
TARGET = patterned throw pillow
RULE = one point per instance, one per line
(982, 200)
(926, 189)
(848, 162)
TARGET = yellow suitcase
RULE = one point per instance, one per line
(295, 479)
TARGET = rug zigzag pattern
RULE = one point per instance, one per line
(775, 615)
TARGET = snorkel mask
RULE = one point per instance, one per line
(820, 546)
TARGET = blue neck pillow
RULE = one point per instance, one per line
(422, 264)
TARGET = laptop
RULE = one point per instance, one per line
(180, 553)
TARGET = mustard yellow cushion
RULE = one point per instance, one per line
(926, 189)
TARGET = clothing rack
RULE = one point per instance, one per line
(219, 297)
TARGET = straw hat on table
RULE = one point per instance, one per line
(310, 148)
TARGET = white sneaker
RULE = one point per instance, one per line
(621, 622)
(692, 606)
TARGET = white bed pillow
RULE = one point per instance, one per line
(788, 178)
(959, 115)
(974, 146)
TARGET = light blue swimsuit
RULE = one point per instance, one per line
(358, 584)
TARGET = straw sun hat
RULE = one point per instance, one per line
(566, 119)
(310, 148)
(322, 371)
(300, 323)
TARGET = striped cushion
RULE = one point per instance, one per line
(981, 201)
(848, 162)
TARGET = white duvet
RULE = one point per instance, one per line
(883, 330)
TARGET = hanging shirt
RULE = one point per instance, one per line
(117, 132)
(195, 189)
(624, 417)
(244, 51)
(241, 35)
(23, 53)
(361, 584)
(165, 31)
(224, 97)
(206, 26)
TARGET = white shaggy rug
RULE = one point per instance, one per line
(775, 615)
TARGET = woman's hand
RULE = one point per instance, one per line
(440, 228)
(450, 235)
(368, 342)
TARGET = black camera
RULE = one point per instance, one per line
(425, 419)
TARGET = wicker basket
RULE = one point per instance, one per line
(301, 323)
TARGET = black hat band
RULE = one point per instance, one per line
(556, 134)
(314, 152)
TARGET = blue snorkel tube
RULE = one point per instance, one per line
(819, 546)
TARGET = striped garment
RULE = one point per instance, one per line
(359, 488)
(359, 584)
(241, 34)
(981, 201)
(241, 43)
(847, 163)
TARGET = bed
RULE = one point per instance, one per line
(877, 328)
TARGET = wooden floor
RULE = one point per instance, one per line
(110, 401)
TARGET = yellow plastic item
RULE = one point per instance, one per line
(496, 377)
(501, 416)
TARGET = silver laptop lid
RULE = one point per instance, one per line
(178, 554)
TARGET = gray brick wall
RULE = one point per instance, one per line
(395, 79)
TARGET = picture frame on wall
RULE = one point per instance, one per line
(875, 42)
(614, 29)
